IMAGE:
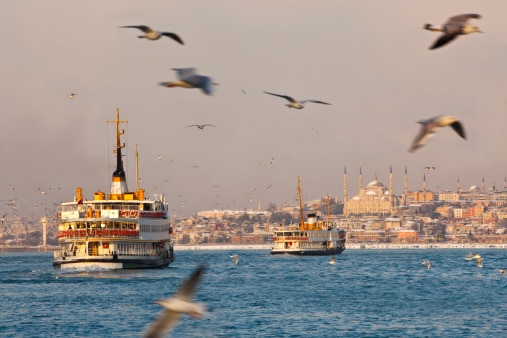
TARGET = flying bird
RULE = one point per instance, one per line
(296, 104)
(479, 262)
(429, 128)
(150, 34)
(456, 25)
(469, 256)
(188, 78)
(332, 261)
(71, 95)
(429, 168)
(427, 263)
(234, 259)
(200, 126)
(180, 303)
(502, 271)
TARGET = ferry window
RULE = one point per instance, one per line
(147, 207)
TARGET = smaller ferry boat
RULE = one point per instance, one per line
(313, 237)
(118, 230)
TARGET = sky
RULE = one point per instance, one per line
(368, 58)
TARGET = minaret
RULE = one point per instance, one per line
(44, 222)
(345, 198)
(405, 186)
(391, 185)
(360, 179)
(119, 182)
(505, 183)
(483, 186)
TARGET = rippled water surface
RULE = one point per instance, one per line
(367, 293)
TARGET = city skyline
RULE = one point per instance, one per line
(369, 60)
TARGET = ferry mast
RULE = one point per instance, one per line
(119, 181)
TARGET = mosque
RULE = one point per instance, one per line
(374, 198)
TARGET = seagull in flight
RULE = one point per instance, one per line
(427, 263)
(469, 256)
(429, 168)
(234, 259)
(456, 25)
(150, 34)
(188, 78)
(71, 95)
(296, 104)
(180, 303)
(200, 126)
(429, 128)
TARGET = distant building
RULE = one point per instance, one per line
(374, 199)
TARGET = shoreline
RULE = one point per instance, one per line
(348, 246)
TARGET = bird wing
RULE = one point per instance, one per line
(187, 289)
(458, 128)
(425, 134)
(173, 36)
(168, 318)
(182, 73)
(314, 101)
(290, 99)
(462, 18)
(443, 40)
(200, 81)
(162, 324)
(145, 29)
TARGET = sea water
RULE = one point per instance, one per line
(367, 293)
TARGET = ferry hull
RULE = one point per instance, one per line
(300, 252)
(110, 264)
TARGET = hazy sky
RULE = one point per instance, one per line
(369, 58)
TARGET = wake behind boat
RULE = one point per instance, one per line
(119, 230)
(310, 238)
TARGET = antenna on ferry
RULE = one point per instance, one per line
(137, 169)
(301, 219)
(328, 200)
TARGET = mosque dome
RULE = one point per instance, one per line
(371, 193)
(375, 184)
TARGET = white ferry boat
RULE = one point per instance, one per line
(118, 230)
(313, 237)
